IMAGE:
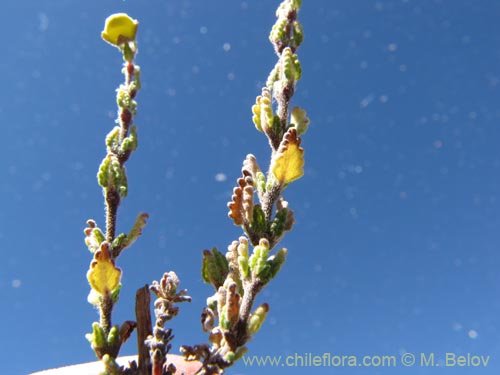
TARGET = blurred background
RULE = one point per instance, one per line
(396, 244)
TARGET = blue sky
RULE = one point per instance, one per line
(396, 245)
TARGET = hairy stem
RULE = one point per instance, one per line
(105, 309)
(112, 203)
(269, 199)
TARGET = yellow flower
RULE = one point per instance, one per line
(287, 164)
(119, 29)
(103, 275)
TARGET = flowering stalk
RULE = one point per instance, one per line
(239, 275)
(103, 276)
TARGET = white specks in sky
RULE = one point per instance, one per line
(438, 144)
(472, 334)
(231, 76)
(220, 177)
(354, 212)
(203, 30)
(466, 39)
(365, 102)
(383, 99)
(493, 81)
(16, 283)
(392, 47)
(43, 22)
(226, 47)
(472, 115)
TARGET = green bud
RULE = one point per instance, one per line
(298, 67)
(256, 114)
(111, 175)
(273, 76)
(113, 336)
(129, 50)
(299, 120)
(298, 34)
(278, 31)
(243, 247)
(258, 260)
(103, 173)
(229, 357)
(120, 241)
(278, 224)
(275, 262)
(257, 318)
(123, 99)
(266, 107)
(260, 182)
(130, 142)
(97, 338)
(136, 231)
(243, 266)
(212, 302)
(115, 293)
(112, 139)
(133, 107)
(291, 66)
(118, 177)
(93, 239)
(262, 111)
(288, 64)
(240, 352)
(271, 182)
(224, 321)
(136, 84)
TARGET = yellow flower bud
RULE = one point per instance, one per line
(119, 29)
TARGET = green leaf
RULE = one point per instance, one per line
(214, 268)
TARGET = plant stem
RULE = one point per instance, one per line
(112, 203)
(105, 309)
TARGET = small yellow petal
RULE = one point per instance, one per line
(103, 275)
(119, 28)
(288, 163)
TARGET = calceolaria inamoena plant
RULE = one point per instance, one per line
(257, 206)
